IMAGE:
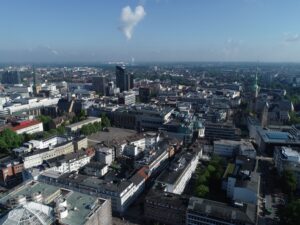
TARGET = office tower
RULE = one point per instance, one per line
(11, 77)
(131, 81)
(100, 84)
(123, 79)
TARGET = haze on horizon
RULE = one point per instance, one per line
(150, 30)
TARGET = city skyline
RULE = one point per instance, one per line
(152, 30)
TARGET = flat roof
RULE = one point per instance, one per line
(277, 137)
(220, 210)
(227, 142)
(79, 205)
(176, 169)
(89, 182)
(88, 120)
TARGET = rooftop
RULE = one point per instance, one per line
(89, 182)
(277, 137)
(290, 154)
(79, 205)
(25, 124)
(88, 120)
(219, 210)
(176, 169)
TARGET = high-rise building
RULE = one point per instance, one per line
(131, 84)
(100, 84)
(11, 77)
(123, 79)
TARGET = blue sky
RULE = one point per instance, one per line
(170, 30)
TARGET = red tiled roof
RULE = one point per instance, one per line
(25, 124)
(142, 172)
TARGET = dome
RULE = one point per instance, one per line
(30, 213)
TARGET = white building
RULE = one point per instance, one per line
(133, 148)
(39, 144)
(69, 162)
(127, 98)
(28, 127)
(104, 155)
(36, 158)
(153, 159)
(179, 173)
(30, 104)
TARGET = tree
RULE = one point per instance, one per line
(46, 120)
(201, 179)
(202, 191)
(105, 122)
(85, 130)
(9, 140)
(295, 119)
(290, 214)
(209, 177)
(211, 169)
(61, 130)
(289, 182)
(81, 115)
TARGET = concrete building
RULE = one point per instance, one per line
(240, 183)
(124, 80)
(203, 211)
(80, 143)
(247, 149)
(75, 127)
(121, 192)
(145, 94)
(96, 169)
(28, 127)
(140, 117)
(215, 131)
(69, 162)
(39, 203)
(165, 208)
(175, 178)
(37, 157)
(136, 144)
(268, 139)
(155, 158)
(126, 98)
(226, 148)
(32, 106)
(10, 172)
(104, 155)
(100, 84)
(39, 144)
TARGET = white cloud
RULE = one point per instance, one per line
(292, 38)
(130, 19)
(54, 52)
